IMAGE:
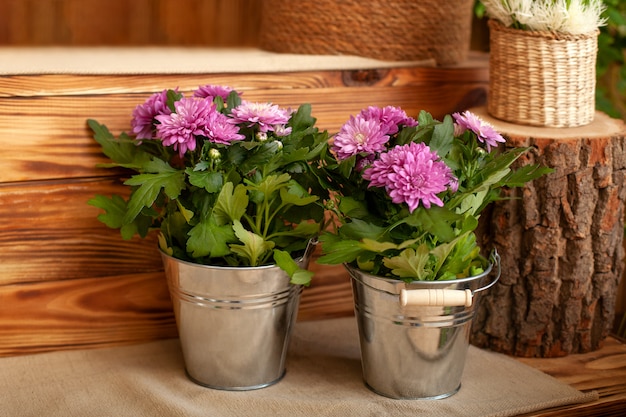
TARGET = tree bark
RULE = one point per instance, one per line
(560, 240)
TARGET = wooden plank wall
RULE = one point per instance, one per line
(66, 281)
(144, 22)
(129, 22)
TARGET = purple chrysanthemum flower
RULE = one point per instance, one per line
(359, 135)
(390, 117)
(211, 91)
(144, 114)
(193, 118)
(485, 132)
(411, 174)
(265, 116)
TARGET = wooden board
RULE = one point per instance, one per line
(123, 22)
(66, 280)
(602, 371)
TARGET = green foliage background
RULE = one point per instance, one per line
(610, 70)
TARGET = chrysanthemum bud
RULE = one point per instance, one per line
(261, 136)
(214, 154)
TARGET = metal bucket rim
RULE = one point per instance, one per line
(446, 282)
(494, 259)
(307, 252)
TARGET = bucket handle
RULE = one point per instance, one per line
(444, 297)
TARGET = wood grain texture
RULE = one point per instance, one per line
(82, 313)
(475, 70)
(49, 233)
(603, 371)
(136, 22)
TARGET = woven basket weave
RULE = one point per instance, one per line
(541, 78)
(390, 30)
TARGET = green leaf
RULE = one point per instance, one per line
(424, 118)
(210, 181)
(170, 180)
(163, 245)
(352, 207)
(455, 258)
(207, 238)
(187, 214)
(337, 250)
(114, 217)
(443, 137)
(231, 204)
(346, 166)
(302, 118)
(233, 100)
(527, 173)
(411, 263)
(298, 275)
(270, 184)
(471, 203)
(436, 220)
(288, 197)
(254, 246)
(305, 229)
(358, 229)
(114, 207)
(494, 178)
(123, 152)
(172, 97)
(260, 157)
(380, 247)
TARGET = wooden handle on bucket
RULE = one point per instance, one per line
(434, 297)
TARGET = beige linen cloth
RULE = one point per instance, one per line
(323, 379)
(176, 60)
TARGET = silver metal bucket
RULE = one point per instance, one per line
(414, 336)
(234, 323)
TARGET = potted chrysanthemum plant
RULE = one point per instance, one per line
(410, 194)
(231, 188)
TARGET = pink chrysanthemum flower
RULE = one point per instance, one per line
(144, 114)
(211, 91)
(194, 118)
(390, 117)
(265, 116)
(411, 174)
(219, 129)
(282, 130)
(359, 135)
(485, 132)
(363, 162)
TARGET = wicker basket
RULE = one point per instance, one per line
(391, 30)
(541, 78)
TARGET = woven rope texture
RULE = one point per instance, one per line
(541, 78)
(393, 30)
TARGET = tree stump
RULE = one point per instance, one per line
(560, 240)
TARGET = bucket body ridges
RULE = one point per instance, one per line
(412, 352)
(234, 323)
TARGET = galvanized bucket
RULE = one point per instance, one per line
(234, 323)
(414, 336)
